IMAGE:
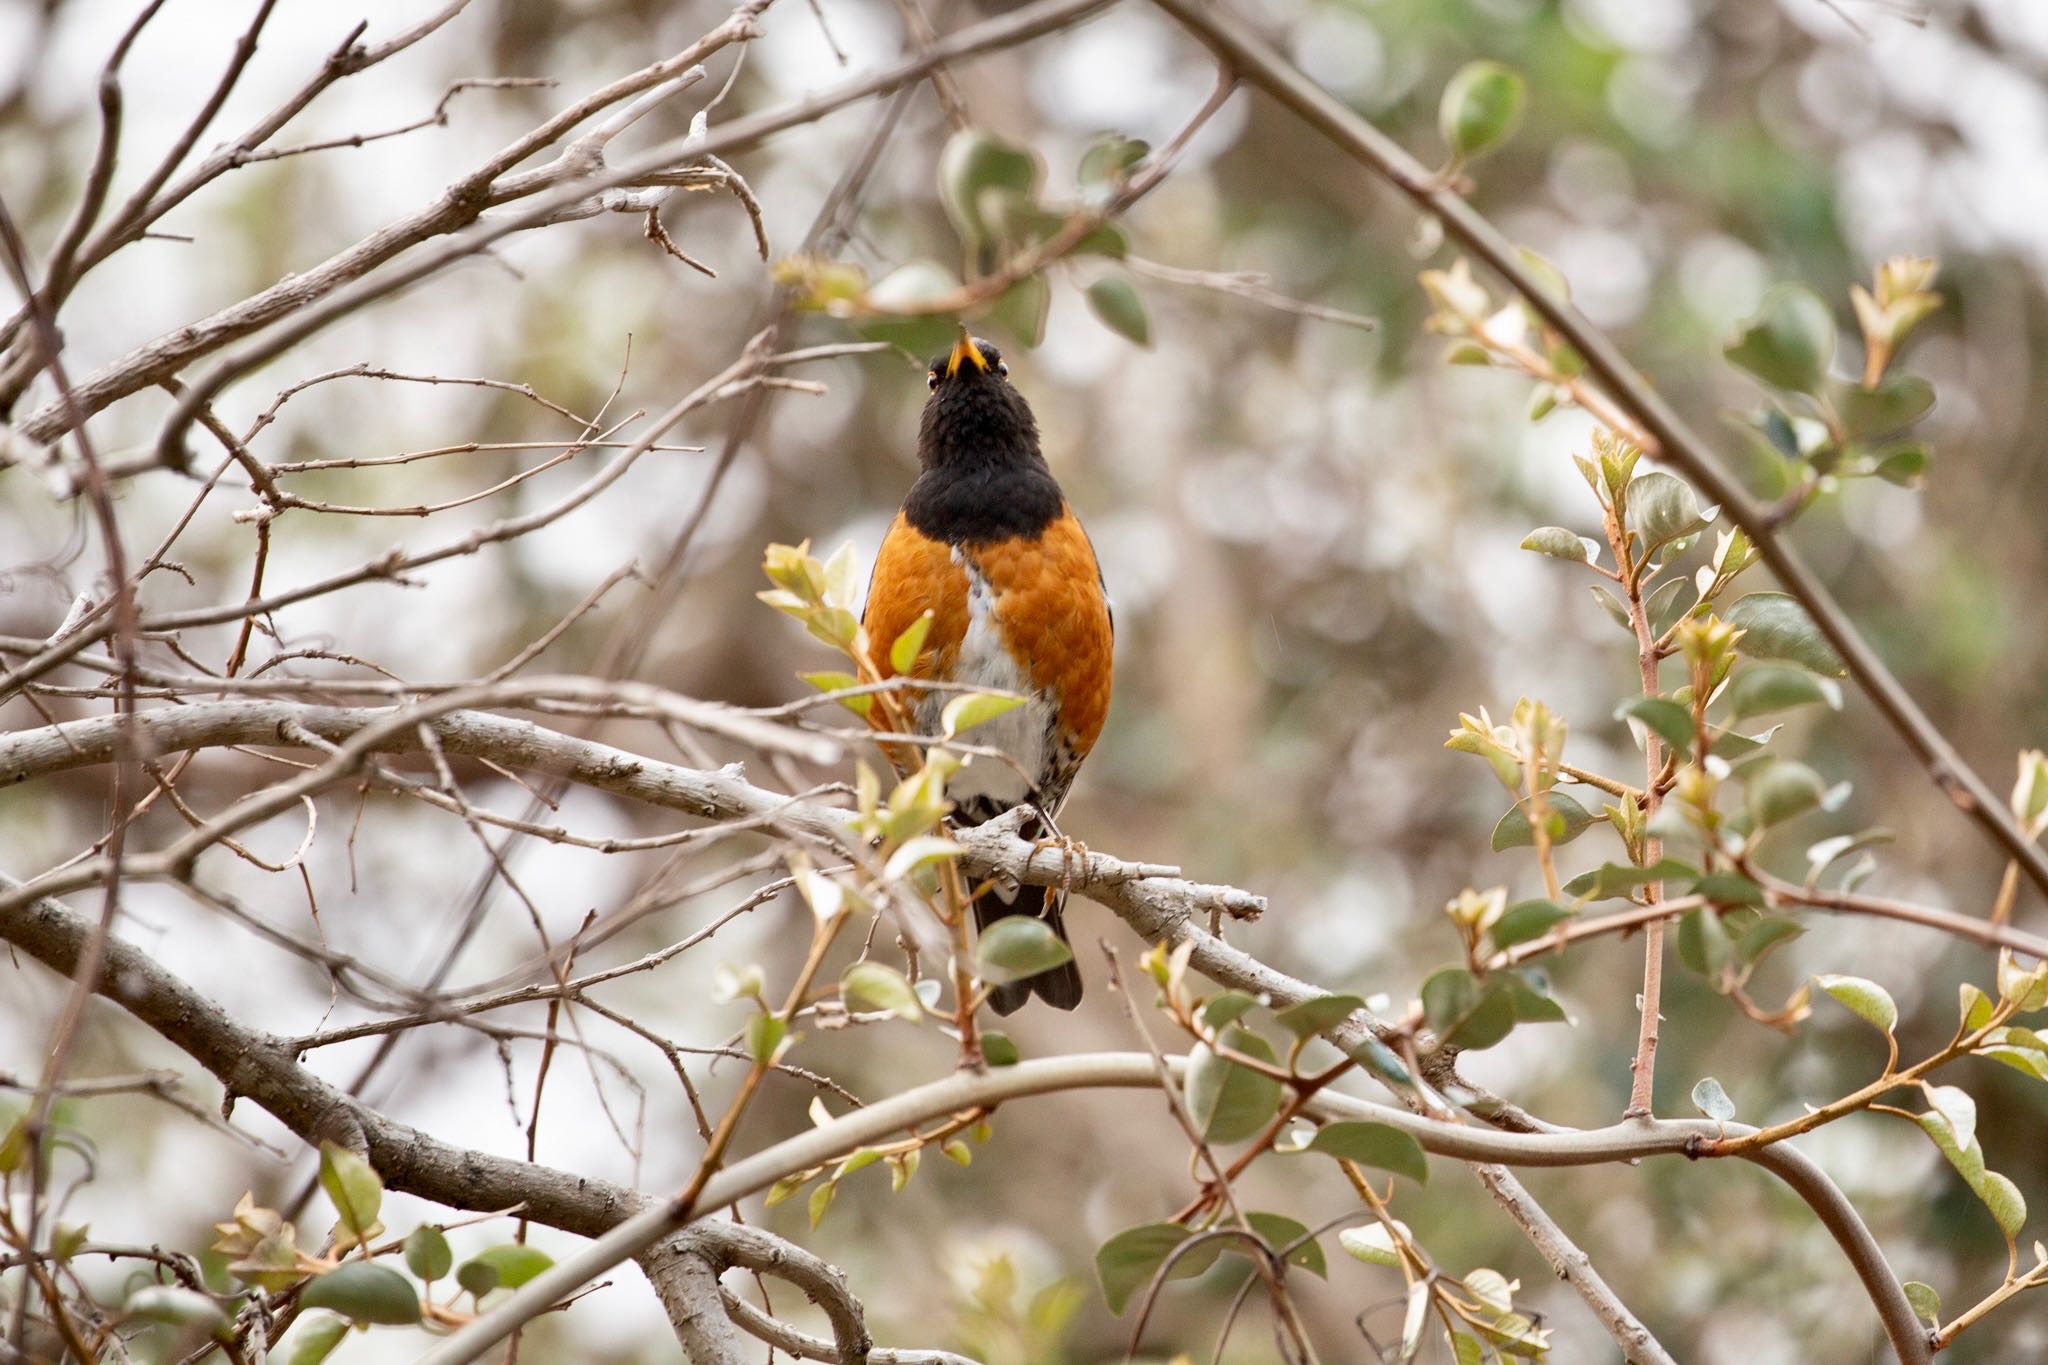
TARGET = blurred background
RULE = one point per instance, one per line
(1309, 531)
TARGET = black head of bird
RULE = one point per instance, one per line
(984, 477)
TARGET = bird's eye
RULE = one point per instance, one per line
(1003, 368)
(931, 381)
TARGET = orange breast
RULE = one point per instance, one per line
(1050, 606)
(914, 575)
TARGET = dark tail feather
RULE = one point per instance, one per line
(1059, 987)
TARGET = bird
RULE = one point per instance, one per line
(986, 542)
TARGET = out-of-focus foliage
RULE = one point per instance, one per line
(1310, 534)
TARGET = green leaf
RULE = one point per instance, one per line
(66, 1239)
(1016, 947)
(1526, 920)
(1668, 720)
(836, 680)
(1378, 1145)
(314, 1338)
(1229, 1102)
(970, 709)
(1703, 942)
(478, 1278)
(427, 1254)
(1867, 999)
(1127, 1262)
(881, 987)
(1110, 159)
(904, 650)
(1763, 688)
(974, 162)
(1763, 937)
(1566, 821)
(1777, 628)
(2008, 1206)
(1223, 1010)
(1022, 309)
(515, 1262)
(364, 1292)
(1466, 1350)
(1926, 1303)
(1514, 1334)
(1975, 1007)
(1729, 888)
(1109, 240)
(1826, 853)
(821, 1200)
(1556, 542)
(1612, 606)
(353, 1187)
(1311, 1017)
(176, 1307)
(1666, 605)
(1955, 1105)
(1710, 1099)
(1663, 508)
(2020, 1059)
(1904, 465)
(766, 1036)
(1790, 342)
(1372, 1243)
(1115, 300)
(1781, 790)
(1529, 992)
(920, 851)
(1998, 1194)
(1899, 400)
(1481, 105)
(1278, 1230)
(1618, 879)
(1465, 1012)
(997, 1049)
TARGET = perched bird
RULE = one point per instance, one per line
(986, 542)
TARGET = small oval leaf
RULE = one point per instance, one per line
(1016, 947)
(1115, 300)
(1867, 999)
(1379, 1145)
(363, 1292)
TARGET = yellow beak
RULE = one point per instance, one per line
(965, 349)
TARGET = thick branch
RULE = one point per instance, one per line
(685, 1278)
(722, 795)
(1672, 440)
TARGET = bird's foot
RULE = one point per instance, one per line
(1071, 851)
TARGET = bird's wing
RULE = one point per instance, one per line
(915, 574)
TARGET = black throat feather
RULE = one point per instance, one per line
(984, 478)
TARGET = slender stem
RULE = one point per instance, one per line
(714, 1152)
(1946, 1336)
(1643, 1068)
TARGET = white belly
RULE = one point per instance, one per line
(1022, 732)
